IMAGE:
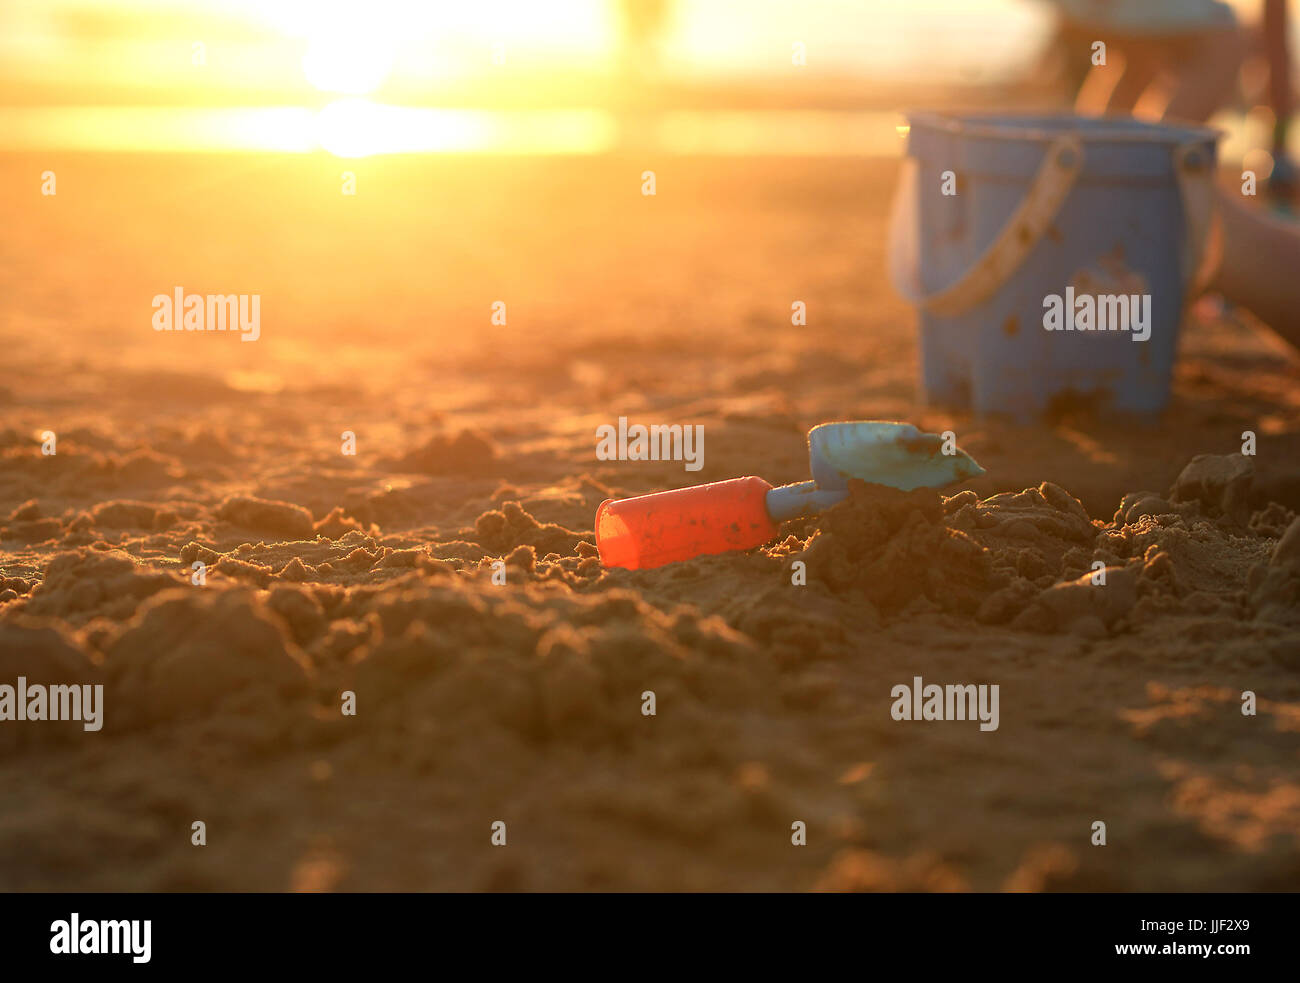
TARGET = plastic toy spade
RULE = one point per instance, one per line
(740, 513)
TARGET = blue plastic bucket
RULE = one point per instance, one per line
(1004, 225)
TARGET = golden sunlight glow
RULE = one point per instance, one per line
(353, 48)
(352, 64)
(420, 76)
(360, 128)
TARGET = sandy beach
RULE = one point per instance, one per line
(476, 702)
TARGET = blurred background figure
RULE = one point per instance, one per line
(1277, 53)
(644, 23)
(1184, 60)
(1176, 58)
(1180, 59)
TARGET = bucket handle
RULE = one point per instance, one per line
(1050, 187)
(1202, 247)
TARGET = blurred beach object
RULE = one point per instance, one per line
(1043, 206)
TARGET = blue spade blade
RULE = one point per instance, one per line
(893, 454)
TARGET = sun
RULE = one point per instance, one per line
(353, 60)
(352, 48)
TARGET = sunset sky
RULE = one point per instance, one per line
(274, 74)
(53, 50)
